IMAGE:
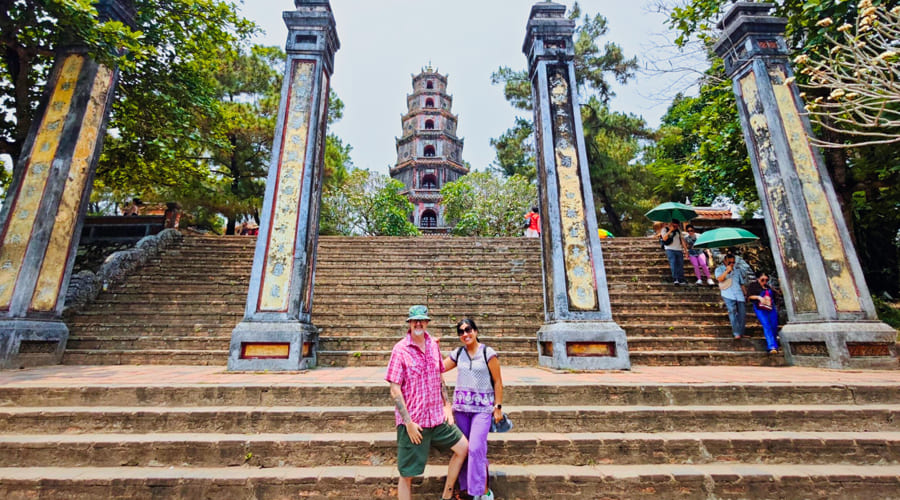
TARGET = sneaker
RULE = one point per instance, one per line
(709, 281)
(698, 282)
(487, 496)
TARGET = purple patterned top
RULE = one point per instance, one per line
(474, 392)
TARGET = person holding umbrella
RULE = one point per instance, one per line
(670, 237)
(674, 244)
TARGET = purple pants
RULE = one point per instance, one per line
(473, 475)
(699, 262)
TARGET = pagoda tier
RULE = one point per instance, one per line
(429, 154)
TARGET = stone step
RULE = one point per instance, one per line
(132, 342)
(490, 303)
(513, 448)
(373, 343)
(743, 355)
(380, 358)
(531, 392)
(203, 357)
(507, 481)
(581, 418)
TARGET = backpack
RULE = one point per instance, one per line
(459, 351)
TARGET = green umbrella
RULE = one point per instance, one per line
(724, 237)
(671, 211)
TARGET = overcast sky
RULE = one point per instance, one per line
(383, 42)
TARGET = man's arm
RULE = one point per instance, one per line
(413, 429)
(448, 399)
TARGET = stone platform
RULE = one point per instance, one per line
(80, 432)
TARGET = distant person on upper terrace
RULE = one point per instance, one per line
(422, 406)
(533, 223)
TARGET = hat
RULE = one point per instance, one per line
(503, 425)
(418, 312)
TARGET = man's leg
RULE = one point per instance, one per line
(404, 488)
(460, 451)
(731, 305)
(670, 254)
(741, 313)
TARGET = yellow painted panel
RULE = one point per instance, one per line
(37, 171)
(279, 266)
(582, 290)
(266, 351)
(590, 349)
(843, 287)
(49, 281)
(803, 299)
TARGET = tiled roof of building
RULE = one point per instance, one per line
(713, 213)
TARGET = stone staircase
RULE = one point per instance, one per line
(182, 306)
(255, 439)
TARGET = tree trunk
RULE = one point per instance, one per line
(611, 212)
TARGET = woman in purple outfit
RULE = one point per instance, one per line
(477, 401)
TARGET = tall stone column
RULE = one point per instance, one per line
(831, 318)
(276, 332)
(578, 329)
(44, 209)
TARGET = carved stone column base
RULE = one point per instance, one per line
(273, 346)
(25, 343)
(583, 345)
(840, 344)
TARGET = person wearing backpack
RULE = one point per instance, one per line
(477, 403)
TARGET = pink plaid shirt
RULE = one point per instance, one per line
(419, 376)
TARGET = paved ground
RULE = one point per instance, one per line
(153, 375)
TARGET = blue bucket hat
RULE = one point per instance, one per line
(418, 312)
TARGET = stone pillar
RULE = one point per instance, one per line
(831, 318)
(44, 209)
(276, 332)
(578, 330)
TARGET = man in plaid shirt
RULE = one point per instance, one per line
(422, 408)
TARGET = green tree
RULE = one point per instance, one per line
(367, 204)
(611, 150)
(866, 179)
(699, 150)
(166, 93)
(486, 204)
(515, 150)
(621, 186)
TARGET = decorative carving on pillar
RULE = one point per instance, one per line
(44, 209)
(831, 317)
(276, 332)
(578, 331)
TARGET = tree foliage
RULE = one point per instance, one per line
(700, 151)
(167, 93)
(866, 179)
(366, 203)
(621, 186)
(854, 83)
(486, 204)
(594, 66)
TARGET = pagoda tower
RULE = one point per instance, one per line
(429, 154)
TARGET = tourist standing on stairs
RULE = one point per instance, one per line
(763, 297)
(533, 223)
(477, 401)
(672, 241)
(731, 286)
(423, 415)
(697, 256)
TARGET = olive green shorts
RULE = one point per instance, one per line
(411, 458)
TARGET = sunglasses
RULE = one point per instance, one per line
(468, 329)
